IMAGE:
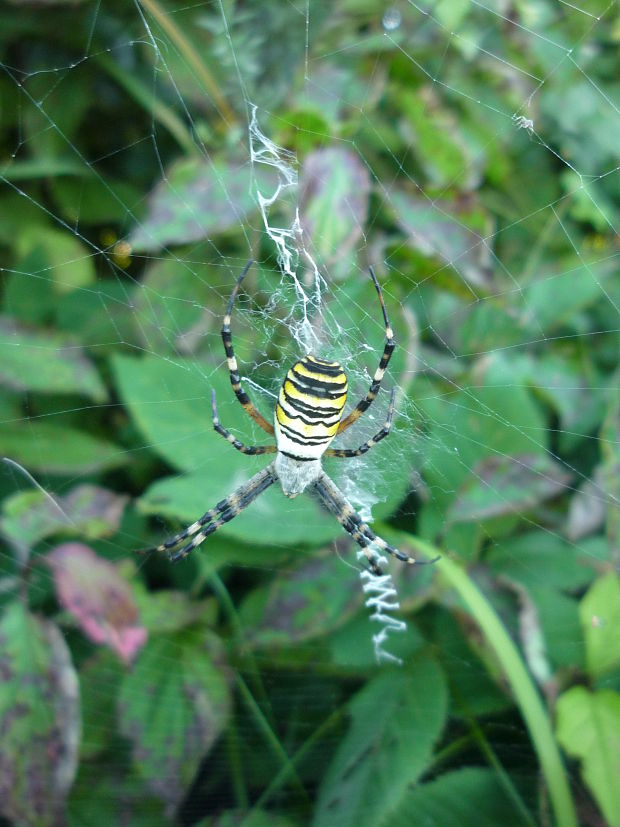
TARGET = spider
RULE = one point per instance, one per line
(308, 416)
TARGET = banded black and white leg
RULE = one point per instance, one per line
(225, 511)
(335, 501)
(245, 449)
(390, 344)
(233, 369)
(366, 446)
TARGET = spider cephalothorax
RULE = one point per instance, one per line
(308, 416)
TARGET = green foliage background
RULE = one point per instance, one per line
(240, 687)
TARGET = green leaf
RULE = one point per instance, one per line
(100, 678)
(39, 719)
(479, 423)
(93, 201)
(170, 403)
(351, 647)
(556, 299)
(88, 511)
(599, 612)
(173, 306)
(237, 818)
(396, 720)
(172, 707)
(474, 690)
(610, 450)
(501, 485)
(464, 797)
(47, 362)
(588, 727)
(334, 189)
(56, 256)
(439, 231)
(107, 791)
(302, 603)
(558, 614)
(168, 611)
(58, 450)
(441, 150)
(452, 13)
(538, 558)
(197, 199)
(101, 318)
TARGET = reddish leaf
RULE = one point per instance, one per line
(98, 597)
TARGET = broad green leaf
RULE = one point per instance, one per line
(17, 212)
(490, 325)
(109, 792)
(172, 707)
(39, 719)
(237, 818)
(88, 511)
(438, 231)
(441, 150)
(92, 201)
(537, 558)
(58, 450)
(270, 519)
(302, 603)
(351, 647)
(556, 298)
(588, 507)
(197, 199)
(610, 450)
(452, 13)
(101, 318)
(473, 689)
(589, 202)
(93, 590)
(588, 727)
(396, 719)
(34, 360)
(561, 384)
(547, 567)
(170, 402)
(58, 257)
(493, 418)
(168, 611)
(599, 612)
(174, 306)
(462, 797)
(501, 485)
(558, 614)
(100, 677)
(334, 190)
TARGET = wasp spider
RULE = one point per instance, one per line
(308, 416)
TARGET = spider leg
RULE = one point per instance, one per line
(222, 513)
(245, 449)
(379, 373)
(333, 499)
(366, 446)
(235, 379)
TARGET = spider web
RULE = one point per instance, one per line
(289, 136)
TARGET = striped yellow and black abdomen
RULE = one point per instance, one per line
(309, 407)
